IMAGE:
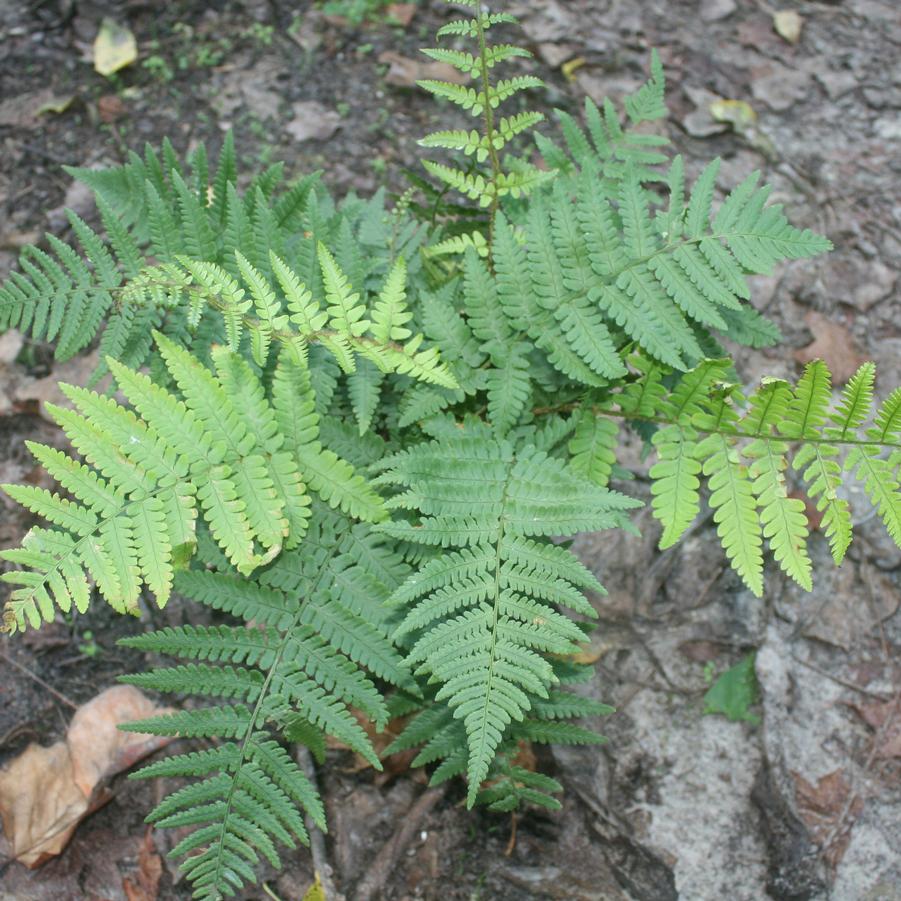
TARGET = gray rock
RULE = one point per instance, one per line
(781, 88)
(837, 84)
(708, 766)
(714, 10)
(871, 867)
(312, 122)
(879, 281)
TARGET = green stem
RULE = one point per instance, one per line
(724, 432)
(488, 115)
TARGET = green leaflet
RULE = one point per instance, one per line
(746, 458)
(734, 692)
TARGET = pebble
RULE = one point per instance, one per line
(715, 10)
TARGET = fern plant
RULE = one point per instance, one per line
(358, 432)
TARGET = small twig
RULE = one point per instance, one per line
(56, 694)
(839, 681)
(511, 845)
(385, 861)
(322, 868)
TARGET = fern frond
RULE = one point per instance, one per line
(745, 457)
(481, 640)
(267, 675)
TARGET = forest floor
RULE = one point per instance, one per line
(800, 801)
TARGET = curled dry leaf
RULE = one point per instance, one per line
(46, 792)
(885, 718)
(145, 883)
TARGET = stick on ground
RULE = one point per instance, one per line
(381, 868)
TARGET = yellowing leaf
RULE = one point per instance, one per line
(115, 47)
(788, 25)
(315, 892)
(55, 104)
(569, 68)
(737, 113)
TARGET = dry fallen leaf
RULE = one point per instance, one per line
(24, 110)
(828, 809)
(40, 804)
(145, 884)
(788, 25)
(885, 718)
(402, 13)
(404, 72)
(110, 107)
(98, 748)
(115, 47)
(312, 122)
(46, 792)
(832, 343)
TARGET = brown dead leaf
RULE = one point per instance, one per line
(393, 765)
(828, 809)
(99, 749)
(832, 343)
(145, 884)
(110, 107)
(402, 13)
(700, 650)
(24, 110)
(46, 792)
(814, 516)
(885, 718)
(525, 757)
(40, 804)
(404, 72)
